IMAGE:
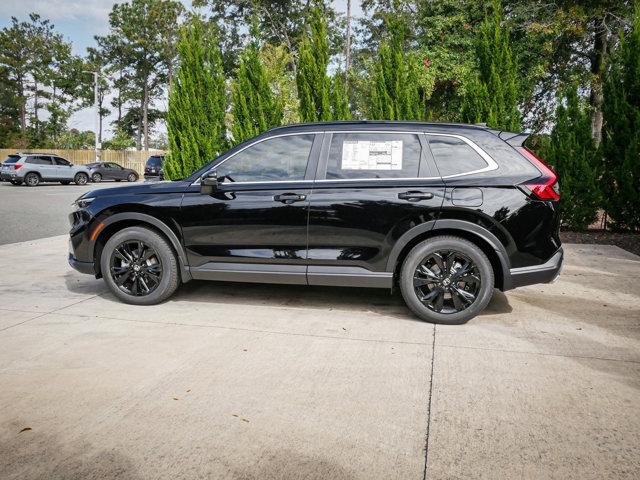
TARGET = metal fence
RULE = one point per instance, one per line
(128, 159)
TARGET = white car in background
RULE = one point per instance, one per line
(35, 168)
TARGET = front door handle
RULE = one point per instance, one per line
(289, 198)
(415, 195)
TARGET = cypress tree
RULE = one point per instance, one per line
(492, 96)
(254, 107)
(195, 118)
(621, 133)
(396, 94)
(312, 79)
(573, 154)
(339, 100)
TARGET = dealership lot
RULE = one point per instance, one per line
(268, 381)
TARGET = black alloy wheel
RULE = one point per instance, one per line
(136, 268)
(447, 281)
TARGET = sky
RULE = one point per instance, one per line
(79, 20)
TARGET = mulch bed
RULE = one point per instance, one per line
(628, 241)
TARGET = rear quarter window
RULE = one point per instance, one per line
(12, 159)
(453, 156)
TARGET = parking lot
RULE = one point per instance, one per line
(248, 381)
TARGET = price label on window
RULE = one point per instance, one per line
(371, 155)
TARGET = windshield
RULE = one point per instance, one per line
(12, 159)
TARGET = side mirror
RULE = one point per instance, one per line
(209, 182)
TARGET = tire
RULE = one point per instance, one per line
(117, 179)
(96, 178)
(458, 252)
(16, 182)
(65, 182)
(32, 179)
(132, 177)
(81, 178)
(164, 256)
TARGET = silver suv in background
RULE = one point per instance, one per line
(34, 168)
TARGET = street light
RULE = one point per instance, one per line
(97, 107)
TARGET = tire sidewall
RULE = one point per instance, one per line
(96, 178)
(78, 176)
(169, 280)
(31, 175)
(419, 252)
(132, 177)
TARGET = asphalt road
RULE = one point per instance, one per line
(240, 381)
(30, 213)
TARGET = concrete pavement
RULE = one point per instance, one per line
(247, 381)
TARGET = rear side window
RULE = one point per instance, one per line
(62, 161)
(12, 159)
(454, 156)
(373, 155)
(39, 160)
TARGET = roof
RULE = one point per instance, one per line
(386, 123)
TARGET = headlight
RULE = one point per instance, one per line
(82, 202)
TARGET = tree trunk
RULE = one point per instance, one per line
(23, 114)
(597, 67)
(35, 108)
(120, 101)
(139, 129)
(347, 52)
(145, 113)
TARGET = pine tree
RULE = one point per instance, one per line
(312, 79)
(621, 133)
(573, 154)
(492, 96)
(254, 107)
(195, 119)
(396, 93)
(339, 100)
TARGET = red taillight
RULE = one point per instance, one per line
(545, 187)
(17, 167)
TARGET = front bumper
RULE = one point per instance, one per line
(548, 272)
(82, 267)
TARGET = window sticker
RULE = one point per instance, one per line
(371, 155)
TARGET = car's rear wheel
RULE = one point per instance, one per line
(132, 177)
(96, 178)
(31, 179)
(446, 280)
(139, 266)
(81, 178)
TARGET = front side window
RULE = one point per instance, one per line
(373, 155)
(454, 156)
(62, 161)
(272, 160)
(115, 166)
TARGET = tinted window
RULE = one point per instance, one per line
(93, 165)
(12, 159)
(40, 160)
(154, 162)
(62, 161)
(281, 158)
(114, 165)
(453, 156)
(373, 155)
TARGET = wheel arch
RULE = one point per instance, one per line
(479, 236)
(119, 221)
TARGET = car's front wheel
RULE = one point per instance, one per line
(132, 177)
(81, 178)
(96, 178)
(446, 280)
(139, 266)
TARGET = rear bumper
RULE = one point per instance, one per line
(82, 267)
(545, 273)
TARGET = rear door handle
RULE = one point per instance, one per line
(415, 195)
(289, 198)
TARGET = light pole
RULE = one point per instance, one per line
(97, 107)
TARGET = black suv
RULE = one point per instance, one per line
(153, 168)
(446, 212)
